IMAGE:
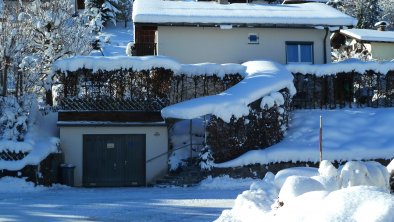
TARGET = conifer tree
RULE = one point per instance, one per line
(100, 12)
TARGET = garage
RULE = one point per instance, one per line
(114, 149)
(114, 160)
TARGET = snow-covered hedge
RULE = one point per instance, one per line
(348, 83)
(147, 77)
(264, 126)
(347, 66)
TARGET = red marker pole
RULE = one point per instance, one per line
(321, 138)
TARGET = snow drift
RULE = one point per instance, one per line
(327, 196)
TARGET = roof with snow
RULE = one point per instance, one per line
(303, 1)
(191, 12)
(263, 78)
(369, 35)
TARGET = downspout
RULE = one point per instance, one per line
(325, 45)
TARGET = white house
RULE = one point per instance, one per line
(209, 31)
(380, 44)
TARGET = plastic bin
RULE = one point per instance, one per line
(67, 174)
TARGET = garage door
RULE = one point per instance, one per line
(114, 160)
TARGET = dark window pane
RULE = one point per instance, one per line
(292, 53)
(306, 53)
(253, 38)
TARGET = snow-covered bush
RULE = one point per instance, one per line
(130, 49)
(14, 117)
(206, 159)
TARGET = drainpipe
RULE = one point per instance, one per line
(325, 46)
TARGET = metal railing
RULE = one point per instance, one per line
(172, 150)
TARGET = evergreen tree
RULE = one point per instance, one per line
(99, 12)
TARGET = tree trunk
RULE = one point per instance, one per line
(48, 97)
(5, 75)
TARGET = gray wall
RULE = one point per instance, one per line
(212, 44)
(382, 50)
(71, 143)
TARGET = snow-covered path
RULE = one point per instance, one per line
(116, 204)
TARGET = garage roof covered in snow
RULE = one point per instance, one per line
(369, 35)
(192, 12)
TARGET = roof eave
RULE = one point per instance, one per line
(241, 25)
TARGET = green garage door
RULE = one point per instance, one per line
(114, 160)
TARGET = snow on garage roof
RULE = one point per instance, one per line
(191, 12)
(370, 35)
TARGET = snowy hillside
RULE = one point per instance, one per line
(347, 134)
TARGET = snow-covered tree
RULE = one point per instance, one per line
(13, 41)
(33, 36)
(367, 12)
(99, 12)
(55, 34)
(125, 8)
(387, 7)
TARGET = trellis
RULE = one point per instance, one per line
(345, 89)
(7, 155)
(126, 89)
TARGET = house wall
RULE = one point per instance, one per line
(382, 51)
(212, 44)
(71, 138)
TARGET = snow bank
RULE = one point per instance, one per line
(253, 204)
(111, 63)
(20, 185)
(348, 134)
(370, 173)
(344, 66)
(348, 204)
(226, 182)
(262, 78)
(17, 185)
(303, 198)
(313, 14)
(282, 175)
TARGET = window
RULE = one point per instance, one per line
(253, 38)
(299, 52)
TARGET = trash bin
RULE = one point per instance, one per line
(67, 174)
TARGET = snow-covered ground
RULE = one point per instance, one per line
(21, 201)
(115, 39)
(354, 192)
